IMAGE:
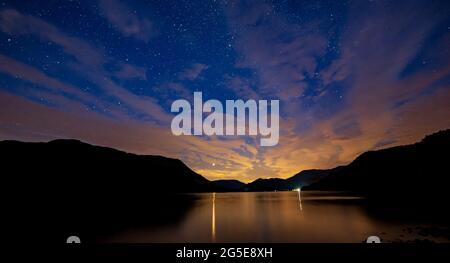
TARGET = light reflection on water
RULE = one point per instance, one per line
(271, 217)
(213, 219)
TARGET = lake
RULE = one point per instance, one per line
(306, 216)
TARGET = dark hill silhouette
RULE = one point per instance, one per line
(66, 186)
(301, 179)
(270, 184)
(416, 175)
(103, 168)
(307, 177)
(230, 185)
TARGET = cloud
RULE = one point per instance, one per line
(20, 70)
(15, 23)
(126, 20)
(177, 88)
(373, 59)
(128, 71)
(242, 87)
(88, 61)
(173, 90)
(65, 96)
(280, 53)
(193, 72)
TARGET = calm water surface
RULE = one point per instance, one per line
(276, 217)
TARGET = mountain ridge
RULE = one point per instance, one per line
(396, 172)
(307, 179)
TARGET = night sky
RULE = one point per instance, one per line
(351, 76)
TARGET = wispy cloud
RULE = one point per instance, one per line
(281, 53)
(88, 61)
(16, 23)
(127, 21)
(244, 88)
(193, 72)
(128, 71)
